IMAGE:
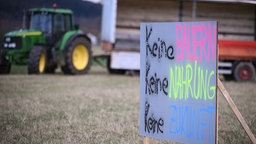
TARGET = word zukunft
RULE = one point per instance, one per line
(191, 82)
(194, 123)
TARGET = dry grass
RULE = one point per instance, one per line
(244, 96)
(95, 108)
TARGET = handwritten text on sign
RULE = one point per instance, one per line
(178, 81)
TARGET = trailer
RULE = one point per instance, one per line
(236, 31)
(237, 59)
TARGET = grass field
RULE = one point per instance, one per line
(96, 108)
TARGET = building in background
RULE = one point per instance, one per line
(236, 22)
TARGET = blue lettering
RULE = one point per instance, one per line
(192, 122)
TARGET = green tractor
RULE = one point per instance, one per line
(50, 39)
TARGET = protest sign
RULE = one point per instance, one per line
(178, 73)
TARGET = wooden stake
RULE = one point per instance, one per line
(146, 140)
(236, 111)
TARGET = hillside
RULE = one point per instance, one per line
(88, 15)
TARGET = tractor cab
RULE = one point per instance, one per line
(53, 23)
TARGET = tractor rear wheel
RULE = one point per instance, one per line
(77, 57)
(37, 60)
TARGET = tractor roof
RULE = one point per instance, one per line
(51, 10)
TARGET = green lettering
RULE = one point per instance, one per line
(189, 79)
(174, 88)
(212, 88)
(181, 85)
(204, 83)
(196, 81)
(181, 81)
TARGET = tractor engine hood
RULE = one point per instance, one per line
(14, 39)
(23, 33)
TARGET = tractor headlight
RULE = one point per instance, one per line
(12, 42)
(9, 45)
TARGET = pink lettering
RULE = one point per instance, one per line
(183, 41)
(195, 42)
(199, 39)
(179, 44)
(212, 40)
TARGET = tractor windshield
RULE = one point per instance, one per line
(42, 22)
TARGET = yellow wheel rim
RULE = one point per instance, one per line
(80, 57)
(42, 63)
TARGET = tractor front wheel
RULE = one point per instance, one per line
(37, 60)
(77, 57)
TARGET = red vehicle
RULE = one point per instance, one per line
(237, 59)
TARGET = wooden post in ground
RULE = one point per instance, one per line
(146, 140)
(236, 111)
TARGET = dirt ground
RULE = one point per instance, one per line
(97, 108)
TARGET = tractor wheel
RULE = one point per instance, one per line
(37, 60)
(5, 68)
(114, 71)
(78, 57)
(244, 71)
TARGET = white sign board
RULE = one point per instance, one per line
(178, 81)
